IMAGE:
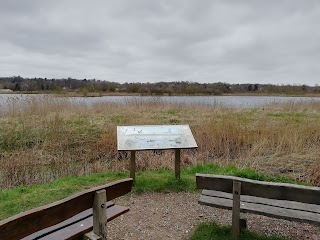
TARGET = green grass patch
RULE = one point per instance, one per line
(234, 171)
(163, 181)
(119, 119)
(294, 115)
(247, 117)
(172, 112)
(15, 200)
(214, 231)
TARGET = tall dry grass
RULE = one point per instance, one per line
(45, 138)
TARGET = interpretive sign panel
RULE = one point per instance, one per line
(149, 137)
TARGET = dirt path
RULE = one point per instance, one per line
(175, 215)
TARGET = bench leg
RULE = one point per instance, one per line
(99, 217)
(243, 223)
(99, 214)
(91, 236)
(236, 210)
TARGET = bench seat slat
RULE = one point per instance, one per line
(77, 228)
(266, 201)
(266, 210)
(78, 217)
(272, 190)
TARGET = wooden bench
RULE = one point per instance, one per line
(71, 218)
(278, 200)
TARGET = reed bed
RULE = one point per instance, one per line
(45, 138)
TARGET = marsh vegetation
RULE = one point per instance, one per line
(45, 138)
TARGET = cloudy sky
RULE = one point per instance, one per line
(249, 41)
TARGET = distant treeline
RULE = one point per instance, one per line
(18, 83)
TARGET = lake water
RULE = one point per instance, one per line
(228, 101)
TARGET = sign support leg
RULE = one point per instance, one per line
(177, 163)
(133, 165)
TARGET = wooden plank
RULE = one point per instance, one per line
(271, 202)
(280, 191)
(177, 163)
(266, 210)
(78, 229)
(77, 218)
(133, 165)
(26, 223)
(236, 191)
(99, 214)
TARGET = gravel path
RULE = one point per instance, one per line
(175, 216)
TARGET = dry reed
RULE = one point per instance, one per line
(45, 138)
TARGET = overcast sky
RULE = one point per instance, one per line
(256, 41)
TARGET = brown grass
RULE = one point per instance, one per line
(43, 139)
(314, 175)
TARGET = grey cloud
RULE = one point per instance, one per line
(142, 40)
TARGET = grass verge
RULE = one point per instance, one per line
(214, 231)
(15, 200)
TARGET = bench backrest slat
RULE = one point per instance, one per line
(31, 221)
(272, 190)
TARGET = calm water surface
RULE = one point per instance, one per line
(228, 101)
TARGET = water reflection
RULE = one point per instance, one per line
(227, 101)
